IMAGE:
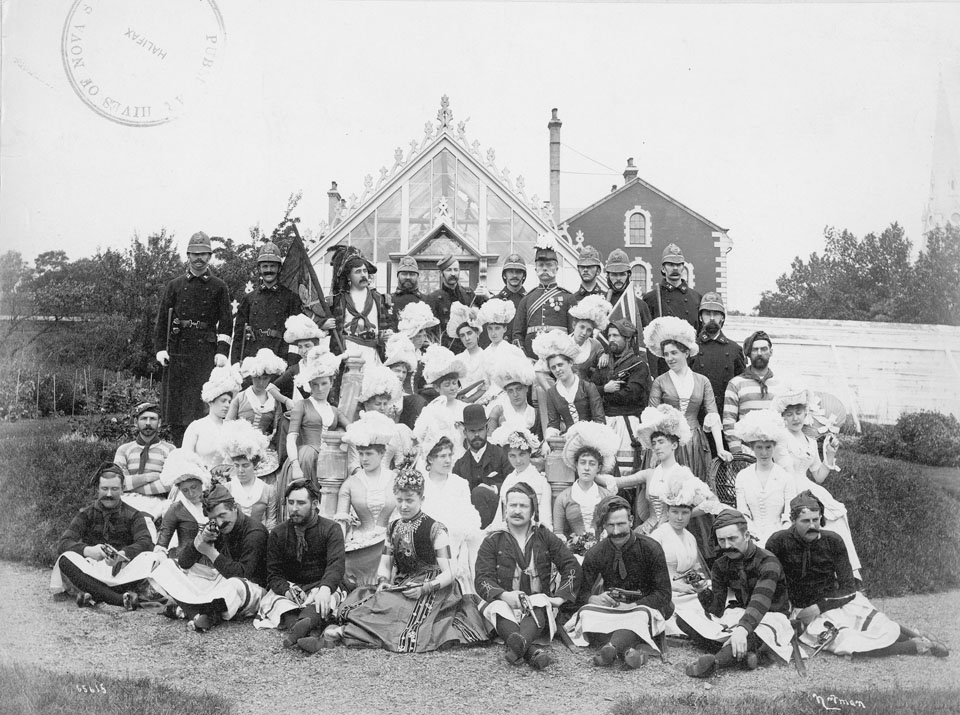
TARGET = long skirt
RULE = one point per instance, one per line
(861, 628)
(363, 558)
(202, 589)
(307, 455)
(695, 454)
(391, 621)
(273, 607)
(646, 622)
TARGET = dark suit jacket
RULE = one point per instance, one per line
(494, 460)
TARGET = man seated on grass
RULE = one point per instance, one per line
(306, 561)
(626, 618)
(220, 572)
(107, 550)
(824, 595)
(514, 567)
(754, 579)
(142, 462)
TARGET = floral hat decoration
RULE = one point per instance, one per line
(318, 362)
(223, 380)
(760, 426)
(508, 365)
(512, 436)
(555, 342)
(591, 434)
(670, 328)
(416, 317)
(379, 380)
(438, 362)
(594, 308)
(400, 349)
(461, 315)
(265, 362)
(497, 311)
(239, 438)
(666, 419)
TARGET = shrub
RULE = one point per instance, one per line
(923, 437)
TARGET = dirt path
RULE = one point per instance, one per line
(251, 668)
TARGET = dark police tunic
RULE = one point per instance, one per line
(201, 312)
(719, 360)
(264, 311)
(681, 301)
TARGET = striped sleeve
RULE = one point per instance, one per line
(731, 410)
(763, 592)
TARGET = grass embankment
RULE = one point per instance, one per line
(903, 515)
(28, 690)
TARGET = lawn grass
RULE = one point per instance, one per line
(935, 701)
(29, 690)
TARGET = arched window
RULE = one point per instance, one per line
(636, 227)
(640, 276)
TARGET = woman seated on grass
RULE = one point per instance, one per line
(417, 605)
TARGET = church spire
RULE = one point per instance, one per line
(944, 203)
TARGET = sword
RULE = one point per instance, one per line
(797, 656)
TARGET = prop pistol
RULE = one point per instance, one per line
(527, 608)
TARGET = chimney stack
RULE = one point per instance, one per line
(333, 204)
(554, 127)
(630, 173)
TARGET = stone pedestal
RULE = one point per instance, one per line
(558, 474)
(331, 472)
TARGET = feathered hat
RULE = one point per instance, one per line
(555, 342)
(409, 478)
(265, 362)
(681, 490)
(416, 317)
(512, 436)
(222, 380)
(670, 328)
(508, 365)
(760, 426)
(666, 419)
(239, 438)
(545, 248)
(594, 308)
(379, 380)
(372, 428)
(461, 315)
(439, 361)
(300, 327)
(400, 349)
(344, 259)
(182, 462)
(791, 395)
(497, 311)
(431, 426)
(319, 362)
(591, 434)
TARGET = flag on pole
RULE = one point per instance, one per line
(297, 274)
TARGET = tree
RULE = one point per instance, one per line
(935, 291)
(870, 279)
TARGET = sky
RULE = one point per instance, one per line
(772, 120)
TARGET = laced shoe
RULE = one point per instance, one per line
(702, 667)
(606, 656)
(516, 648)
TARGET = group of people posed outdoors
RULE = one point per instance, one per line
(445, 530)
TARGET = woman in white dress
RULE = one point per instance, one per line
(495, 317)
(512, 372)
(245, 446)
(368, 493)
(445, 371)
(800, 456)
(204, 437)
(464, 324)
(764, 489)
(590, 315)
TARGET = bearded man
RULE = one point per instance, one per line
(751, 390)
(142, 462)
(191, 336)
(483, 465)
(626, 305)
(546, 307)
(720, 359)
(362, 316)
(408, 285)
(450, 292)
(824, 594)
(261, 314)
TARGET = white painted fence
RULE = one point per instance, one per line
(879, 370)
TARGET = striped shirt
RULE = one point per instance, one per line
(743, 396)
(128, 457)
(757, 582)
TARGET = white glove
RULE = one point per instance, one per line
(220, 360)
(163, 357)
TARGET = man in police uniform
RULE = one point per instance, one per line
(588, 266)
(720, 359)
(626, 305)
(544, 308)
(191, 336)
(450, 292)
(514, 275)
(262, 312)
(408, 284)
(673, 296)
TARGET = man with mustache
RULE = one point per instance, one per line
(362, 316)
(483, 465)
(720, 359)
(107, 550)
(626, 305)
(306, 562)
(752, 390)
(672, 296)
(263, 311)
(627, 618)
(191, 337)
(588, 266)
(546, 307)
(142, 462)
(759, 597)
(824, 594)
(514, 275)
(450, 292)
(408, 284)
